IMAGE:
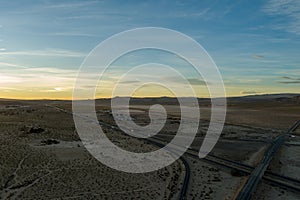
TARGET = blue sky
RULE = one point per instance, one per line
(255, 44)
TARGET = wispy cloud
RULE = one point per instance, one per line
(38, 80)
(47, 52)
(5, 64)
(191, 15)
(287, 8)
(250, 92)
(289, 80)
(9, 79)
(49, 70)
(258, 56)
(245, 80)
(71, 5)
(50, 6)
(129, 82)
(195, 81)
(57, 89)
(77, 34)
(192, 81)
(279, 40)
(8, 89)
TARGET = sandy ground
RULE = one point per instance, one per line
(266, 192)
(30, 168)
(287, 162)
(244, 144)
(210, 182)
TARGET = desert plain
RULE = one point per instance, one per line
(42, 156)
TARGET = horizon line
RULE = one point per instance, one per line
(146, 97)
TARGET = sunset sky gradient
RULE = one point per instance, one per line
(255, 44)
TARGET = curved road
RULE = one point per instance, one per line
(185, 184)
(184, 188)
(255, 176)
(186, 180)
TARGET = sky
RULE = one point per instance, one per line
(255, 44)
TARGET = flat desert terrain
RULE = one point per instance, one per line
(42, 156)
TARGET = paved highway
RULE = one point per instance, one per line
(259, 171)
(255, 176)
